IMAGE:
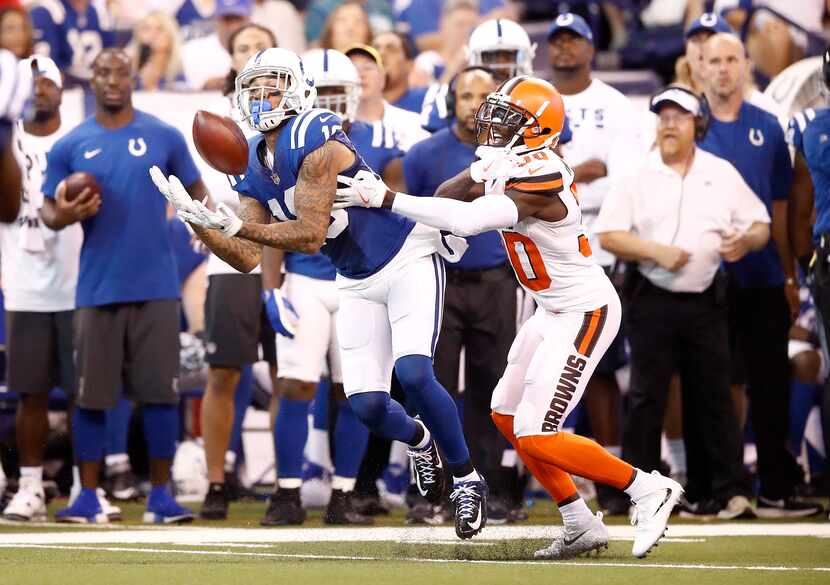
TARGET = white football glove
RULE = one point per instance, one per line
(172, 189)
(494, 164)
(366, 189)
(223, 219)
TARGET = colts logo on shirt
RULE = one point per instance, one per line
(756, 137)
(137, 146)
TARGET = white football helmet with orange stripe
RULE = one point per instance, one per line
(523, 114)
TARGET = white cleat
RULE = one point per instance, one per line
(574, 541)
(651, 513)
(27, 505)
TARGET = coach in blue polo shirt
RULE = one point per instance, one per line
(127, 317)
(764, 292)
(480, 298)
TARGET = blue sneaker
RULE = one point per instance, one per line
(469, 498)
(86, 509)
(163, 509)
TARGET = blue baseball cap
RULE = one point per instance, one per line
(572, 22)
(709, 22)
(233, 8)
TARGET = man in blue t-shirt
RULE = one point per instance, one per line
(808, 134)
(127, 320)
(764, 295)
(480, 298)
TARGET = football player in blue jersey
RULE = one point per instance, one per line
(72, 34)
(127, 298)
(809, 135)
(389, 274)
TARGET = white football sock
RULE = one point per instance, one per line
(575, 513)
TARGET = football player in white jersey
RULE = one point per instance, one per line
(605, 143)
(529, 194)
(13, 94)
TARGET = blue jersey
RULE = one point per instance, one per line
(360, 241)
(809, 134)
(194, 22)
(378, 146)
(412, 100)
(71, 39)
(420, 17)
(127, 255)
(755, 145)
(431, 162)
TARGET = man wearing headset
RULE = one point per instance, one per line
(677, 216)
(764, 297)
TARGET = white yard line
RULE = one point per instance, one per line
(205, 535)
(643, 565)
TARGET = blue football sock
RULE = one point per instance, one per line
(320, 406)
(383, 416)
(118, 427)
(241, 402)
(436, 407)
(161, 429)
(290, 434)
(89, 427)
(350, 439)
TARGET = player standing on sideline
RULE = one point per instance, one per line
(808, 133)
(390, 277)
(12, 97)
(127, 316)
(530, 196)
(604, 144)
(39, 274)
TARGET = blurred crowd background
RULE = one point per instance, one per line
(185, 53)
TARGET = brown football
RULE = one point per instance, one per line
(77, 182)
(220, 142)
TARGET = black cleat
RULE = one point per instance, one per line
(215, 506)
(369, 505)
(469, 499)
(122, 486)
(341, 510)
(284, 508)
(427, 472)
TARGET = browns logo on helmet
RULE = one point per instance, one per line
(523, 114)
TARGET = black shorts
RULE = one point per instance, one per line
(129, 345)
(236, 323)
(39, 351)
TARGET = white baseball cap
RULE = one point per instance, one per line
(679, 96)
(40, 66)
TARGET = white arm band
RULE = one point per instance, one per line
(463, 218)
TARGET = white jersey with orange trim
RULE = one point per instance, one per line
(553, 260)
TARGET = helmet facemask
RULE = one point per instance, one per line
(267, 95)
(342, 98)
(500, 123)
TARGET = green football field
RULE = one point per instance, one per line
(239, 552)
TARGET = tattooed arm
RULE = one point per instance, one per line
(242, 254)
(313, 198)
(460, 187)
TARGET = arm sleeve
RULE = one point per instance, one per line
(57, 168)
(459, 217)
(181, 162)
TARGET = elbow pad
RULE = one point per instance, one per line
(485, 214)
